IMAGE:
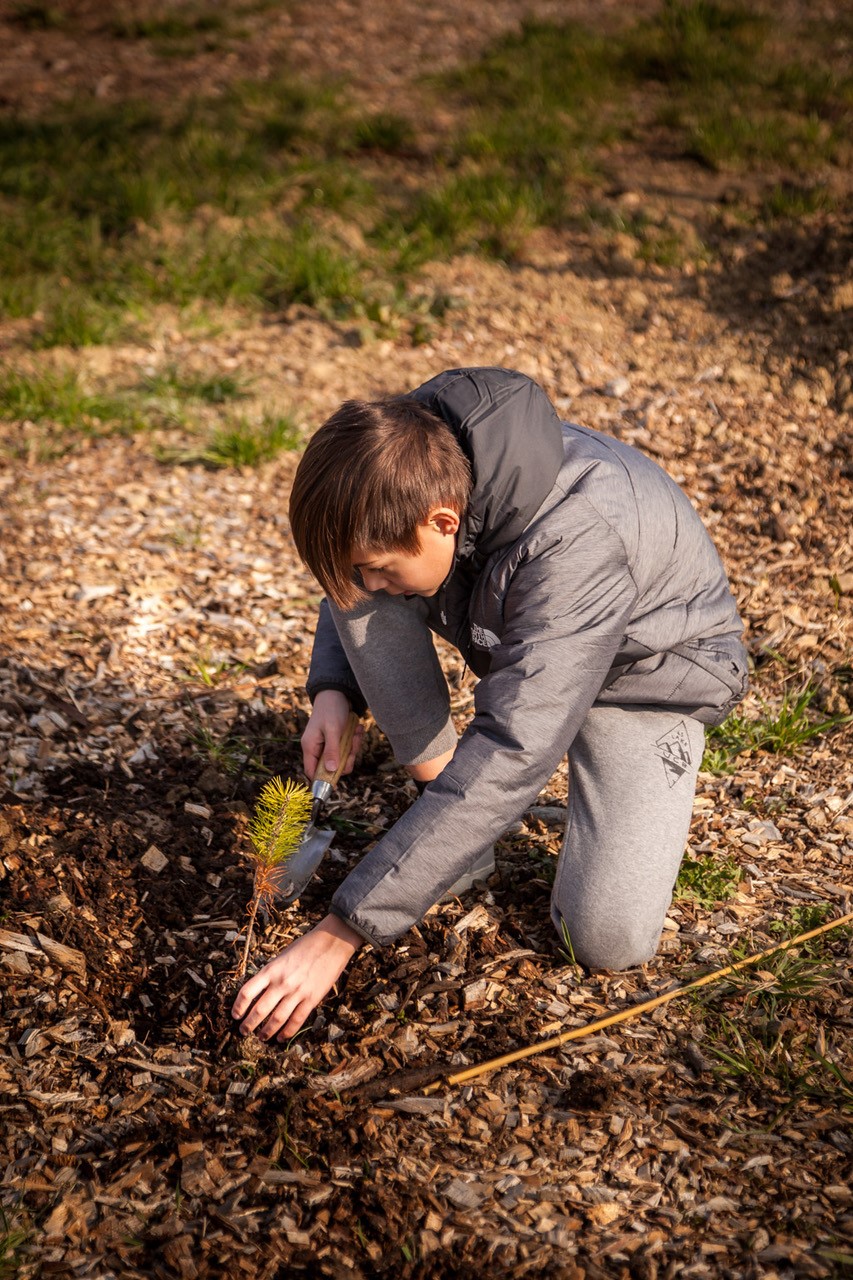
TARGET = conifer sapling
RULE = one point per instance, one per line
(282, 813)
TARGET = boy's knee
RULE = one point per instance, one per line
(606, 942)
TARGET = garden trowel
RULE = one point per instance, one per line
(293, 875)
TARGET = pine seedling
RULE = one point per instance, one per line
(282, 813)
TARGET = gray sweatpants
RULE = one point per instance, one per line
(632, 777)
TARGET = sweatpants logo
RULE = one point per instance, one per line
(674, 750)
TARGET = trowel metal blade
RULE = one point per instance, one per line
(291, 878)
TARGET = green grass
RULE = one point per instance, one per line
(228, 753)
(12, 1240)
(789, 201)
(107, 208)
(213, 388)
(57, 400)
(708, 880)
(241, 443)
(276, 192)
(35, 15)
(659, 241)
(773, 1026)
(782, 731)
(384, 132)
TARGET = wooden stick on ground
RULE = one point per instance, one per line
(632, 1011)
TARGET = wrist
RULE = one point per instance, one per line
(343, 933)
(332, 698)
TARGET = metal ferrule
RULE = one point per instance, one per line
(321, 791)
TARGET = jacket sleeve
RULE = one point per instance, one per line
(329, 667)
(565, 614)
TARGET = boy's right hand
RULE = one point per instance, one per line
(322, 736)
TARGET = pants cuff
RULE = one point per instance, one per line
(425, 743)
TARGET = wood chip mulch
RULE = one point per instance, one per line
(156, 629)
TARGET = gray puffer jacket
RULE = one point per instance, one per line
(582, 574)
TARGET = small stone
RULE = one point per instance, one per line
(623, 255)
(781, 284)
(739, 374)
(212, 782)
(154, 860)
(618, 388)
(198, 810)
(636, 299)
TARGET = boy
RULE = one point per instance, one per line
(583, 590)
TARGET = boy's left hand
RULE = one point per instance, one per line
(290, 986)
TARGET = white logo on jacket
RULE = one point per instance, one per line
(483, 638)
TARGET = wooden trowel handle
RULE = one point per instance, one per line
(323, 774)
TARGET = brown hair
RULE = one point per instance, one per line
(367, 479)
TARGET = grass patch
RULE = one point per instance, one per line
(35, 15)
(227, 753)
(58, 398)
(241, 443)
(782, 731)
(384, 132)
(708, 880)
(109, 208)
(12, 1240)
(732, 97)
(217, 388)
(789, 201)
(274, 192)
(772, 1032)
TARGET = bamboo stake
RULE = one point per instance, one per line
(624, 1014)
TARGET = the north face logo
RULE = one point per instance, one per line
(482, 638)
(674, 750)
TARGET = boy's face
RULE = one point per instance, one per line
(399, 573)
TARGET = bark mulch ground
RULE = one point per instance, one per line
(155, 634)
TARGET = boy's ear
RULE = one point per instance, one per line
(444, 519)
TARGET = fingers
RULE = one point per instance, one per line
(322, 737)
(357, 740)
(248, 992)
(261, 1010)
(296, 1019)
(313, 741)
(273, 1012)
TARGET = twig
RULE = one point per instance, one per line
(241, 973)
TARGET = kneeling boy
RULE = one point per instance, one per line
(581, 587)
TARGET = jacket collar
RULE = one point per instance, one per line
(512, 436)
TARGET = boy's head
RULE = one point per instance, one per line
(379, 491)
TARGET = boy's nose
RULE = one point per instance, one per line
(373, 581)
